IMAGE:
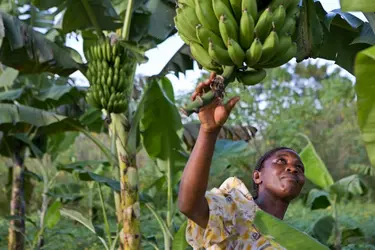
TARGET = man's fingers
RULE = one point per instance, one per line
(212, 76)
(231, 103)
(201, 86)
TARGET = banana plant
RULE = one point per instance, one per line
(31, 108)
(328, 194)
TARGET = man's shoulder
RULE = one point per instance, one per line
(233, 185)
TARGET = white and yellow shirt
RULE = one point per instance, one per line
(230, 226)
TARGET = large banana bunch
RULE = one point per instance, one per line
(110, 71)
(236, 33)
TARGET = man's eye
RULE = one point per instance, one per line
(281, 161)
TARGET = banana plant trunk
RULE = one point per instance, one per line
(130, 237)
(16, 240)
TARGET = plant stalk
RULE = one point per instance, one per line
(90, 200)
(106, 224)
(127, 20)
(130, 235)
(45, 203)
(92, 18)
(16, 237)
(337, 224)
(169, 200)
(116, 173)
(164, 228)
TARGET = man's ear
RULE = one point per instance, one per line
(257, 177)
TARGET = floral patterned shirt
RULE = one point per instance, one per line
(230, 225)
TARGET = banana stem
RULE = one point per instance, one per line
(127, 20)
(130, 236)
(225, 78)
(92, 18)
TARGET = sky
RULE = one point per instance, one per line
(160, 55)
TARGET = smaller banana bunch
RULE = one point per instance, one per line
(224, 33)
(110, 68)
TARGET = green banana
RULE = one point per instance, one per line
(289, 27)
(101, 52)
(189, 3)
(117, 62)
(103, 80)
(251, 77)
(88, 75)
(227, 29)
(110, 81)
(103, 102)
(275, 4)
(96, 52)
(220, 8)
(111, 103)
(184, 38)
(285, 42)
(219, 55)
(116, 107)
(235, 52)
(270, 46)
(237, 9)
(292, 51)
(116, 80)
(206, 15)
(278, 17)
(92, 53)
(251, 7)
(115, 50)
(91, 100)
(202, 57)
(122, 83)
(254, 54)
(108, 50)
(110, 70)
(184, 28)
(264, 25)
(246, 30)
(189, 16)
(205, 35)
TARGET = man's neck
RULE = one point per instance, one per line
(272, 205)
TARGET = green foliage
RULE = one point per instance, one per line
(348, 27)
(159, 135)
(179, 241)
(360, 5)
(315, 169)
(225, 153)
(78, 170)
(77, 216)
(309, 40)
(53, 215)
(349, 186)
(323, 229)
(287, 236)
(318, 199)
(365, 63)
(103, 12)
(7, 77)
(29, 51)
